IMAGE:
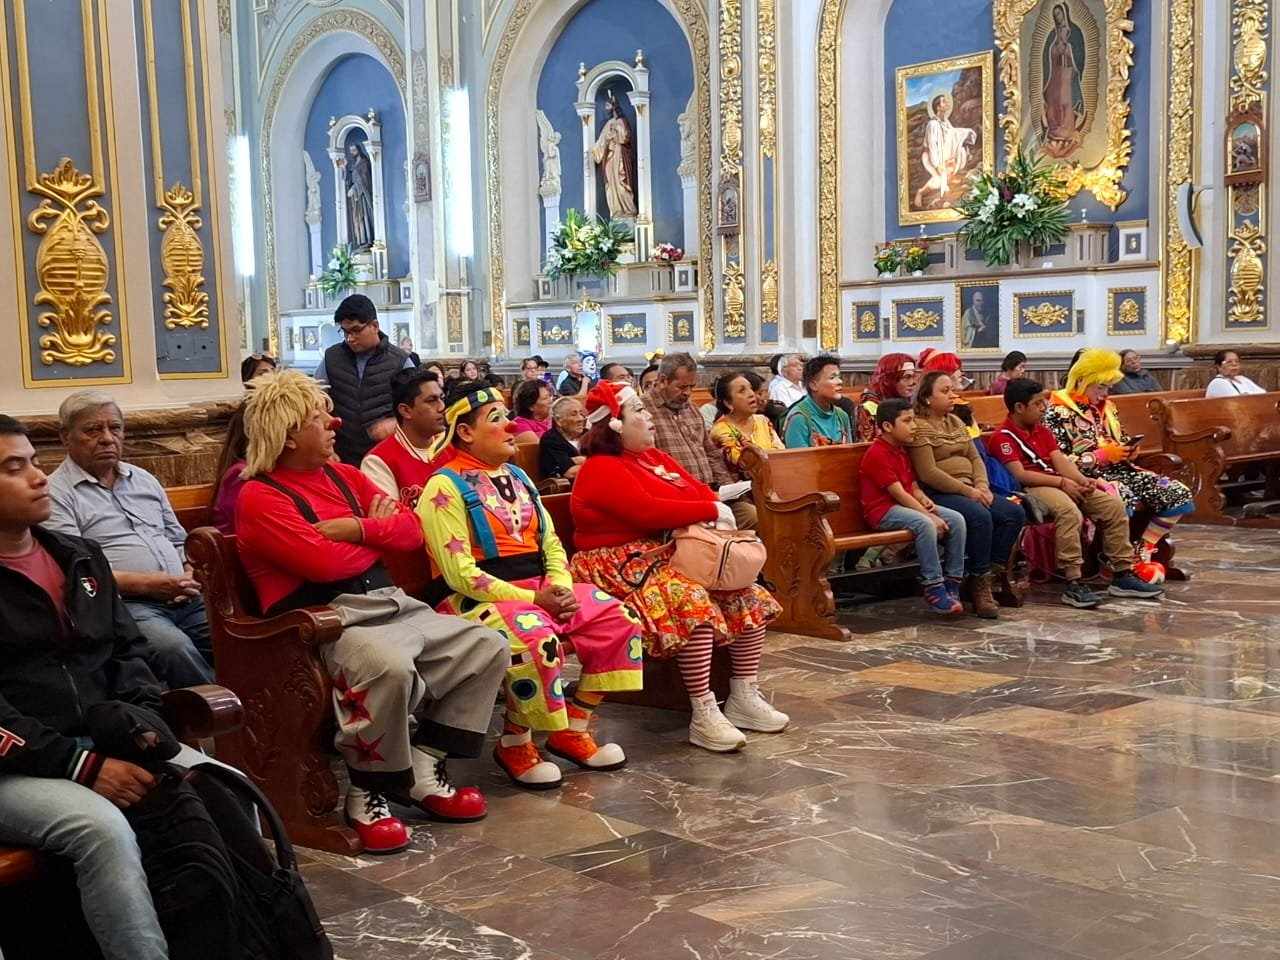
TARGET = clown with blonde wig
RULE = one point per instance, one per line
(1088, 430)
(495, 552)
(311, 532)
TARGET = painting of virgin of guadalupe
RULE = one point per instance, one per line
(1065, 60)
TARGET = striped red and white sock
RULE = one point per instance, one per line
(745, 652)
(694, 659)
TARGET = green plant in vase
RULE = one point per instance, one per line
(916, 258)
(586, 246)
(340, 275)
(1026, 202)
(888, 259)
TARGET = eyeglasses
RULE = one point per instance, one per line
(354, 331)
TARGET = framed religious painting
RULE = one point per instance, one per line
(1064, 67)
(1246, 158)
(978, 313)
(946, 132)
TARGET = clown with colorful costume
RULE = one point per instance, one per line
(1088, 430)
(494, 547)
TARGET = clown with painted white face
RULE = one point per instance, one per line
(494, 547)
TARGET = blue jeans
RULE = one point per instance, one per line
(179, 646)
(990, 532)
(921, 526)
(64, 818)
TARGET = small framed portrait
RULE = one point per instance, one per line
(729, 216)
(522, 332)
(1048, 314)
(310, 337)
(1246, 150)
(946, 131)
(978, 317)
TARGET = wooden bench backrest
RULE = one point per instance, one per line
(988, 412)
(1134, 410)
(228, 594)
(527, 460)
(193, 504)
(789, 474)
(1253, 420)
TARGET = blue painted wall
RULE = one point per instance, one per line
(353, 85)
(915, 33)
(614, 30)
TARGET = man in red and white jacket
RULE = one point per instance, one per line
(310, 532)
(401, 464)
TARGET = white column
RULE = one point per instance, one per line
(339, 195)
(551, 211)
(587, 114)
(639, 98)
(688, 171)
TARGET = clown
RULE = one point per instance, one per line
(493, 545)
(1088, 430)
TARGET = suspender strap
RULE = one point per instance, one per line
(299, 501)
(480, 529)
(544, 521)
(336, 478)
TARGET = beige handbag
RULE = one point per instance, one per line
(718, 559)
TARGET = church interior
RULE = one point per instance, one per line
(978, 193)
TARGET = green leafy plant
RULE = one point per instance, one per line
(341, 273)
(586, 246)
(1027, 201)
(916, 258)
(888, 258)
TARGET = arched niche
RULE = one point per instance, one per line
(348, 132)
(518, 49)
(295, 80)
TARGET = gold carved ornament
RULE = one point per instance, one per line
(920, 319)
(453, 317)
(1249, 32)
(1178, 264)
(629, 333)
(735, 300)
(182, 259)
(1129, 313)
(769, 292)
(1246, 300)
(829, 175)
(1045, 314)
(731, 275)
(71, 267)
(683, 329)
(868, 322)
(556, 334)
(1103, 180)
(767, 104)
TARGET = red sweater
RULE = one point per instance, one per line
(280, 550)
(619, 499)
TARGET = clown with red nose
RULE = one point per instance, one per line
(495, 552)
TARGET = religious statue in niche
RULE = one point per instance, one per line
(944, 117)
(614, 154)
(359, 182)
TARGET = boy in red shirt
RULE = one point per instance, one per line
(892, 500)
(1028, 448)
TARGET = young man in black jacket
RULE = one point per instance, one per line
(67, 643)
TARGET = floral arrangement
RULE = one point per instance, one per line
(667, 253)
(341, 273)
(588, 246)
(916, 259)
(888, 258)
(1025, 202)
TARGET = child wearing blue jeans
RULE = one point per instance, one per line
(892, 500)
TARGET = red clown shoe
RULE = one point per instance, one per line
(434, 794)
(1149, 571)
(370, 817)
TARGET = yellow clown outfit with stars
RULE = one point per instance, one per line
(494, 547)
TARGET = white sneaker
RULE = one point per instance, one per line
(710, 730)
(748, 710)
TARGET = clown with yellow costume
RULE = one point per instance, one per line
(1088, 430)
(493, 546)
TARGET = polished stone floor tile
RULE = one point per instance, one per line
(1055, 785)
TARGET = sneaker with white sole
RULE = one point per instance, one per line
(1127, 584)
(746, 709)
(709, 729)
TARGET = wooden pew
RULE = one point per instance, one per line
(286, 743)
(1132, 408)
(1213, 436)
(193, 504)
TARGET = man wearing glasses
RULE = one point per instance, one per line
(358, 372)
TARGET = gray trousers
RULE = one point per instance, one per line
(398, 659)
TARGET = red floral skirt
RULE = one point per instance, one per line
(669, 604)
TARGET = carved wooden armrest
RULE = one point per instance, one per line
(1214, 434)
(311, 625)
(203, 711)
(1167, 464)
(555, 485)
(824, 500)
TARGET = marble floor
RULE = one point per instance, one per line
(1056, 784)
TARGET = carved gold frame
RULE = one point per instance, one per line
(1113, 326)
(1018, 298)
(985, 62)
(1102, 180)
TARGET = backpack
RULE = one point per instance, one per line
(999, 478)
(277, 920)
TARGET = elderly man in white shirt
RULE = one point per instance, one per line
(788, 371)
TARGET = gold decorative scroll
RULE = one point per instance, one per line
(556, 334)
(71, 266)
(1045, 314)
(920, 319)
(1246, 299)
(1103, 180)
(733, 284)
(1178, 263)
(1249, 25)
(868, 322)
(453, 317)
(629, 333)
(767, 106)
(1129, 312)
(829, 175)
(182, 259)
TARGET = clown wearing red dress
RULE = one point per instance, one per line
(495, 548)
